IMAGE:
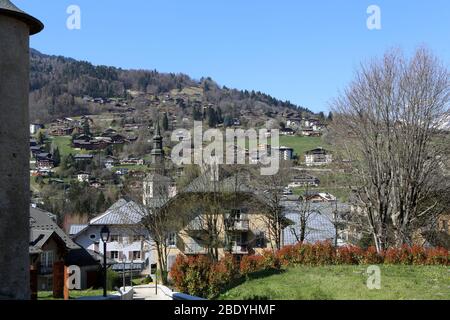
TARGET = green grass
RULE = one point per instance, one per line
(64, 145)
(74, 294)
(346, 282)
(302, 144)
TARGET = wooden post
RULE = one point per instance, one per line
(58, 280)
(33, 282)
(66, 283)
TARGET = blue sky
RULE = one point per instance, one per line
(302, 51)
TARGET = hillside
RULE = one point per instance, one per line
(58, 86)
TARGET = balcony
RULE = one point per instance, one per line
(239, 249)
(194, 248)
(237, 224)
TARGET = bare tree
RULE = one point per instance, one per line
(387, 121)
(271, 188)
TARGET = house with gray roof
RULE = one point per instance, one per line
(128, 242)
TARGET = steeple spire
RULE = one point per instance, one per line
(157, 153)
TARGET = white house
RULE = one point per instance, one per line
(286, 153)
(128, 241)
(35, 127)
(83, 177)
(317, 157)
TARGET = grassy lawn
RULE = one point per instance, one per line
(302, 144)
(346, 282)
(64, 145)
(74, 294)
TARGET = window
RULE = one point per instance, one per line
(260, 240)
(114, 254)
(136, 255)
(172, 239)
(114, 238)
(47, 258)
(137, 238)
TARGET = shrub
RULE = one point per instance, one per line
(113, 280)
(250, 264)
(288, 255)
(371, 256)
(419, 255)
(437, 256)
(269, 260)
(324, 253)
(349, 255)
(222, 274)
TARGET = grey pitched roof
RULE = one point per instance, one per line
(76, 228)
(204, 183)
(120, 213)
(7, 8)
(42, 226)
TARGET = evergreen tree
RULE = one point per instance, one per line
(56, 156)
(86, 127)
(321, 115)
(330, 116)
(100, 204)
(196, 114)
(165, 122)
(212, 118)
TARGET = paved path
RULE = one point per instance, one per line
(147, 292)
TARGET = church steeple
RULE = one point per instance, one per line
(157, 153)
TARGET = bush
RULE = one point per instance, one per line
(199, 276)
(349, 255)
(250, 264)
(113, 280)
(222, 274)
(437, 256)
(371, 256)
(269, 261)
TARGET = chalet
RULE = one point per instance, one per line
(44, 161)
(83, 157)
(110, 161)
(317, 157)
(304, 180)
(50, 247)
(287, 131)
(132, 161)
(61, 131)
(83, 176)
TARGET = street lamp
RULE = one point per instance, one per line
(104, 234)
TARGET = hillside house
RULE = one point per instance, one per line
(304, 180)
(287, 131)
(318, 157)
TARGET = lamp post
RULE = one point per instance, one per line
(104, 234)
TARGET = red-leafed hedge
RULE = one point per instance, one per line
(202, 277)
